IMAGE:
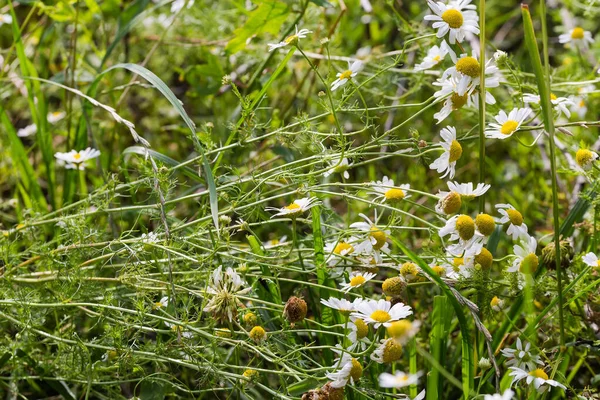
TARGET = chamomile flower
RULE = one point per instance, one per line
(507, 395)
(462, 228)
(76, 159)
(505, 124)
(357, 279)
(397, 380)
(517, 227)
(295, 209)
(348, 369)
(537, 377)
(381, 312)
(561, 104)
(269, 244)
(496, 303)
(388, 193)
(345, 76)
(337, 166)
(585, 158)
(526, 260)
(5, 19)
(403, 330)
(521, 357)
(55, 116)
(342, 305)
(446, 163)
(223, 288)
(450, 201)
(388, 351)
(591, 259)
(455, 101)
(293, 39)
(162, 303)
(467, 71)
(441, 269)
(27, 131)
(373, 241)
(358, 335)
(456, 19)
(435, 55)
(577, 37)
(338, 250)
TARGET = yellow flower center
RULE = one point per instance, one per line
(394, 194)
(362, 329)
(455, 151)
(258, 333)
(509, 127)
(393, 286)
(392, 351)
(356, 371)
(451, 203)
(77, 156)
(515, 217)
(56, 113)
(357, 280)
(379, 237)
(409, 269)
(468, 66)
(581, 103)
(553, 96)
(484, 259)
(529, 264)
(453, 18)
(292, 206)
(437, 58)
(577, 33)
(465, 226)
(458, 101)
(539, 373)
(250, 373)
(346, 74)
(584, 157)
(399, 329)
(439, 270)
(342, 246)
(291, 39)
(458, 261)
(485, 224)
(381, 316)
(495, 301)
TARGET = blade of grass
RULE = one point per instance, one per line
(440, 319)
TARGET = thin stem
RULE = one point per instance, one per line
(482, 102)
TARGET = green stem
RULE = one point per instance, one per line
(82, 184)
(482, 101)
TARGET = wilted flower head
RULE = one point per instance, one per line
(224, 288)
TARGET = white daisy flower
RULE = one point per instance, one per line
(358, 335)
(561, 104)
(357, 279)
(585, 158)
(374, 239)
(388, 351)
(403, 330)
(462, 228)
(577, 37)
(507, 395)
(27, 131)
(337, 166)
(591, 259)
(466, 191)
(398, 380)
(342, 305)
(521, 357)
(387, 192)
(435, 55)
(162, 303)
(446, 163)
(443, 270)
(455, 18)
(507, 124)
(467, 70)
(5, 19)
(538, 377)
(345, 76)
(525, 261)
(453, 101)
(76, 159)
(55, 116)
(269, 244)
(300, 34)
(381, 312)
(348, 370)
(517, 227)
(497, 304)
(298, 207)
(338, 250)
(224, 287)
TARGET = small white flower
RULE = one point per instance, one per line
(5, 19)
(338, 250)
(560, 104)
(388, 351)
(300, 34)
(506, 125)
(162, 303)
(456, 18)
(345, 76)
(358, 336)
(453, 101)
(577, 37)
(497, 304)
(521, 357)
(348, 370)
(381, 312)
(499, 55)
(177, 5)
(357, 279)
(446, 163)
(467, 71)
(462, 228)
(224, 287)
(27, 131)
(517, 227)
(591, 259)
(507, 395)
(525, 261)
(538, 377)
(435, 55)
(398, 380)
(337, 166)
(150, 237)
(76, 159)
(465, 190)
(341, 305)
(298, 207)
(269, 244)
(55, 116)
(373, 241)
(387, 192)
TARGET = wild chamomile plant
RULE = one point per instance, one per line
(299, 200)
